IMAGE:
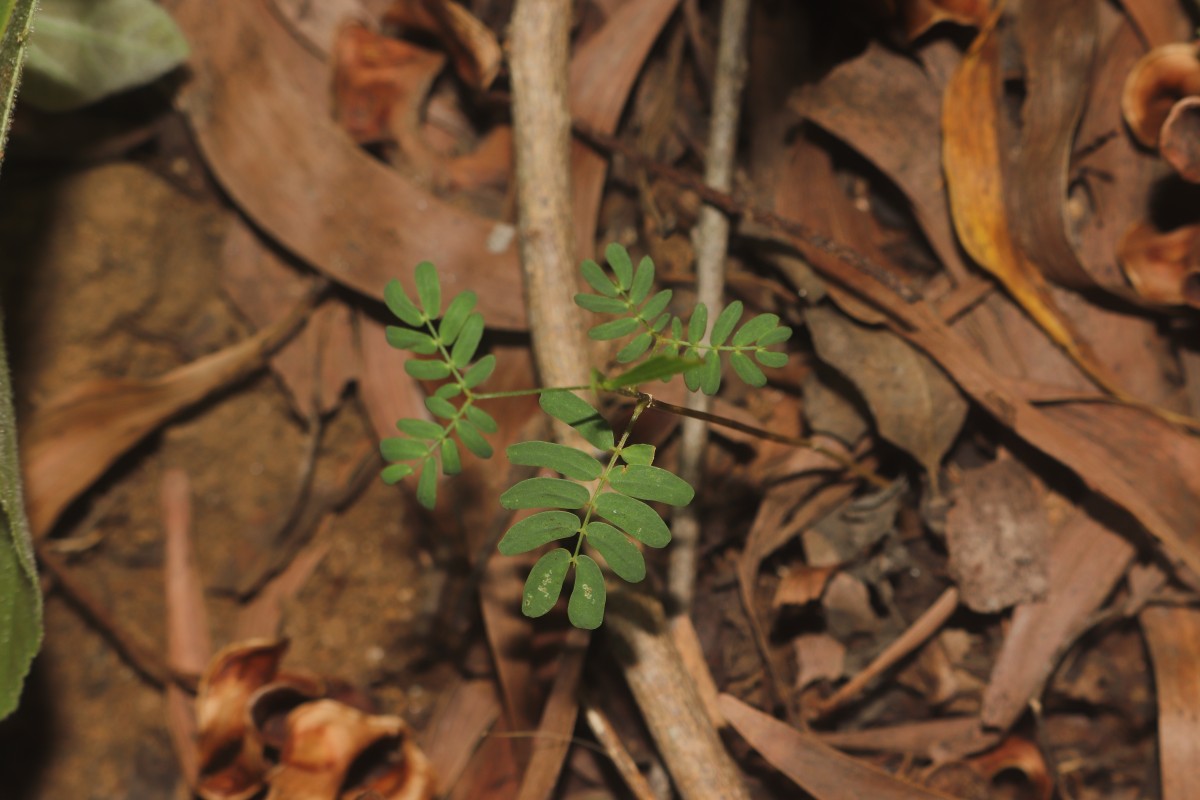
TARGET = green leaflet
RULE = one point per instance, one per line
(407, 339)
(655, 305)
(600, 304)
(427, 369)
(653, 368)
(399, 304)
(651, 483)
(746, 369)
(537, 530)
(585, 609)
(481, 419)
(545, 493)
(725, 323)
(468, 341)
(594, 275)
(614, 329)
(472, 438)
(427, 484)
(429, 290)
(545, 582)
(566, 460)
(643, 281)
(440, 407)
(636, 347)
(618, 258)
(455, 316)
(568, 407)
(420, 428)
(399, 448)
(394, 473)
(620, 553)
(480, 371)
(769, 358)
(755, 329)
(635, 518)
(638, 454)
(451, 460)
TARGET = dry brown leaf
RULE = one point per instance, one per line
(1086, 560)
(464, 715)
(1158, 22)
(996, 535)
(315, 366)
(918, 16)
(1173, 638)
(1058, 47)
(325, 737)
(802, 585)
(857, 102)
(814, 766)
(231, 761)
(1179, 139)
(380, 85)
(73, 439)
(475, 52)
(975, 176)
(317, 24)
(915, 406)
(819, 657)
(1159, 80)
(305, 183)
(1022, 755)
(1164, 267)
(931, 739)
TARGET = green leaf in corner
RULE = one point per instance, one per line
(545, 582)
(585, 609)
(84, 50)
(20, 595)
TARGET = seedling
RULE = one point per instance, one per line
(601, 499)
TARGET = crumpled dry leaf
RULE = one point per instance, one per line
(1159, 79)
(918, 16)
(996, 535)
(474, 50)
(380, 84)
(1179, 139)
(71, 440)
(975, 178)
(324, 739)
(1163, 266)
(915, 406)
(318, 23)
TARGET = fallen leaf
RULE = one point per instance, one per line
(814, 766)
(1086, 560)
(1173, 638)
(918, 16)
(472, 46)
(317, 24)
(802, 585)
(74, 438)
(1179, 137)
(1159, 80)
(819, 657)
(1162, 266)
(996, 535)
(1157, 22)
(915, 406)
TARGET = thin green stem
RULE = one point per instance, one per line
(602, 481)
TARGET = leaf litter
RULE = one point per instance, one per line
(971, 623)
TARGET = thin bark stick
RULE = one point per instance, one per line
(712, 240)
(539, 60)
(602, 729)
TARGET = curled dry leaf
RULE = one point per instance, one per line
(918, 16)
(1164, 267)
(1157, 81)
(231, 761)
(318, 23)
(915, 406)
(1179, 142)
(1019, 754)
(326, 738)
(380, 84)
(475, 53)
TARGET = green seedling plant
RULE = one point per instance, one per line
(601, 501)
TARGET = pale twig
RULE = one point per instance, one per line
(711, 240)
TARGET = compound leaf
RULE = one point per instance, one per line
(399, 448)
(399, 304)
(429, 289)
(634, 517)
(568, 407)
(420, 428)
(746, 369)
(407, 339)
(545, 493)
(456, 315)
(652, 483)
(725, 323)
(618, 550)
(585, 609)
(427, 483)
(536, 530)
(545, 582)
(468, 341)
(425, 369)
(618, 258)
(560, 458)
